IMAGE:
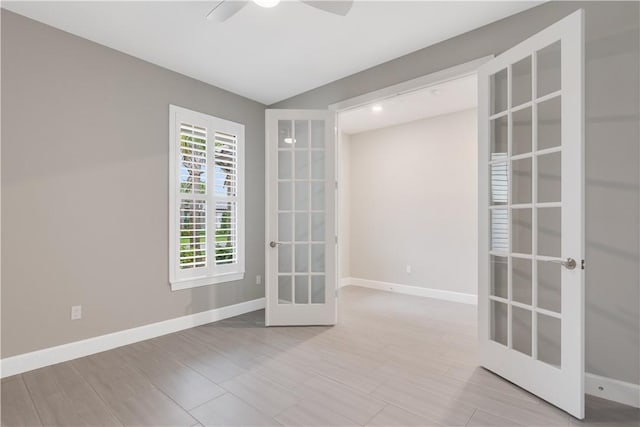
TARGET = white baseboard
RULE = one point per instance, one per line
(345, 281)
(50, 356)
(411, 290)
(610, 389)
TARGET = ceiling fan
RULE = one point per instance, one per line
(225, 9)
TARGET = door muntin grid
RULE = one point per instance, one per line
(525, 205)
(302, 216)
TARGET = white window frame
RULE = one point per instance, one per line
(210, 274)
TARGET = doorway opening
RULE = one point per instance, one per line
(407, 207)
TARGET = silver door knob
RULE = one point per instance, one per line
(569, 263)
(274, 244)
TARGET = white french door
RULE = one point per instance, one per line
(300, 218)
(531, 212)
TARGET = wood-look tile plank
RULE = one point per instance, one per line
(393, 416)
(230, 411)
(605, 413)
(312, 414)
(435, 407)
(340, 399)
(264, 395)
(63, 398)
(482, 396)
(232, 344)
(350, 377)
(17, 407)
(198, 356)
(182, 384)
(515, 410)
(282, 371)
(133, 399)
(485, 419)
(485, 378)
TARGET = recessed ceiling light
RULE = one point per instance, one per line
(267, 3)
(289, 140)
(376, 108)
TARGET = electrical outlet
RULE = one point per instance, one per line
(408, 268)
(258, 280)
(76, 312)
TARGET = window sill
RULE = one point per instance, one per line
(206, 281)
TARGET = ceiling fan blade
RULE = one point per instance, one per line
(225, 9)
(341, 7)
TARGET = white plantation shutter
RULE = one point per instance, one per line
(226, 194)
(192, 158)
(193, 234)
(207, 199)
(226, 234)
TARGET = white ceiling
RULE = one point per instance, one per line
(455, 95)
(266, 54)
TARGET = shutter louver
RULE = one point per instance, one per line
(226, 165)
(193, 158)
(193, 233)
(226, 233)
(193, 211)
(226, 184)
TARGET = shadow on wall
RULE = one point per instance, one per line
(613, 203)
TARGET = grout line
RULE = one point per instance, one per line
(102, 399)
(210, 400)
(472, 414)
(376, 414)
(258, 410)
(33, 402)
(153, 384)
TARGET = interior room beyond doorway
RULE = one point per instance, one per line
(408, 192)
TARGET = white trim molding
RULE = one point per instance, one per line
(422, 82)
(345, 281)
(74, 350)
(611, 389)
(411, 290)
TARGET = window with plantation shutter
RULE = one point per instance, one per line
(207, 199)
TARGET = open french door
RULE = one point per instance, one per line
(531, 212)
(301, 238)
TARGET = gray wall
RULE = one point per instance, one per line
(85, 188)
(413, 197)
(612, 155)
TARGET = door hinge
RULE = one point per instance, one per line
(582, 265)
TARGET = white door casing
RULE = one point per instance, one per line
(531, 214)
(301, 275)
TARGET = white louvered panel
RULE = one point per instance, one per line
(193, 159)
(499, 230)
(499, 196)
(226, 233)
(193, 234)
(226, 164)
(499, 179)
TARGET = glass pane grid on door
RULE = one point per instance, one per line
(526, 205)
(301, 212)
